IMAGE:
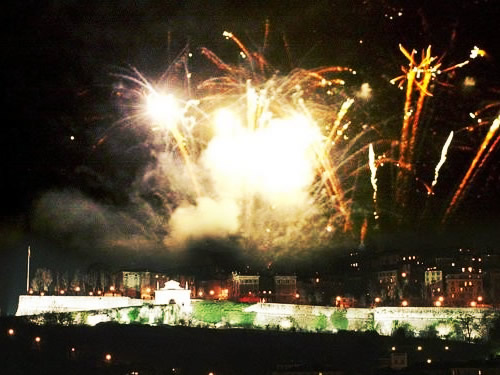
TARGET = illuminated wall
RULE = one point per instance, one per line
(382, 319)
(32, 305)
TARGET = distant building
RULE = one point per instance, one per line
(212, 289)
(244, 286)
(493, 280)
(285, 289)
(432, 276)
(463, 289)
(434, 285)
(388, 285)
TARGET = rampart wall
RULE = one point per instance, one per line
(32, 305)
(383, 319)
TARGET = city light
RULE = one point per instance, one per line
(404, 303)
(480, 299)
(473, 304)
(38, 339)
(11, 332)
(77, 289)
(429, 361)
(437, 303)
(377, 299)
(111, 288)
(419, 348)
(108, 357)
(393, 348)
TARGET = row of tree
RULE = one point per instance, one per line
(93, 280)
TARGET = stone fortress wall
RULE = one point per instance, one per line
(32, 305)
(382, 319)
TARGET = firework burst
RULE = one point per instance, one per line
(268, 158)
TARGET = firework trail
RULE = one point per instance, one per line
(476, 165)
(444, 152)
(418, 76)
(373, 177)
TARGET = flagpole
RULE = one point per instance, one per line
(28, 272)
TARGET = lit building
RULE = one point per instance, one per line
(388, 285)
(244, 286)
(432, 276)
(463, 288)
(434, 284)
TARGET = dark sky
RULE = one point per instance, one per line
(60, 60)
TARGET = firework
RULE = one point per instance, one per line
(476, 165)
(444, 152)
(418, 76)
(266, 159)
(274, 160)
(373, 177)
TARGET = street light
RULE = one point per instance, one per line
(11, 332)
(404, 303)
(377, 299)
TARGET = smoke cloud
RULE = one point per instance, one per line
(205, 219)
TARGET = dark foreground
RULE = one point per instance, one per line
(136, 349)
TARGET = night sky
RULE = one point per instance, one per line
(70, 198)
